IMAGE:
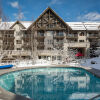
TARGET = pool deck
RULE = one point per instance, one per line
(5, 95)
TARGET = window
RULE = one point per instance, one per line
(39, 57)
(51, 25)
(82, 34)
(50, 33)
(58, 57)
(18, 48)
(60, 33)
(18, 41)
(49, 48)
(50, 41)
(81, 40)
(40, 33)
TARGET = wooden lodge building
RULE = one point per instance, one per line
(48, 37)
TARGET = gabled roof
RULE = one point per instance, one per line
(10, 25)
(26, 23)
(6, 25)
(53, 13)
(17, 23)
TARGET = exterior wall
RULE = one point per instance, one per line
(18, 34)
(55, 41)
(48, 41)
(1, 42)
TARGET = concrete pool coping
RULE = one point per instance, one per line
(6, 95)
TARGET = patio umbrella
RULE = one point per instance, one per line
(79, 54)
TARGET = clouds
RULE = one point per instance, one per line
(91, 16)
(14, 4)
(19, 16)
(53, 2)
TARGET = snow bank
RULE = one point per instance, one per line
(87, 63)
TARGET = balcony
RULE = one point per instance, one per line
(59, 43)
(40, 44)
(26, 39)
(27, 46)
(40, 36)
(93, 36)
(72, 36)
(18, 52)
(48, 52)
(58, 37)
(78, 44)
(7, 38)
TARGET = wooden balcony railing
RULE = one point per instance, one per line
(71, 36)
(93, 36)
(78, 44)
(59, 36)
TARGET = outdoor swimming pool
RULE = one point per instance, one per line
(52, 83)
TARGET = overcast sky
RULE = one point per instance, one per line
(68, 10)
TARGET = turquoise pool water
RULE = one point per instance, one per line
(52, 83)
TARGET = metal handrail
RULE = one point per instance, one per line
(95, 97)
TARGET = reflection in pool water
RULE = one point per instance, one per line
(52, 83)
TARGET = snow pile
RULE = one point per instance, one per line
(93, 62)
(30, 63)
(41, 62)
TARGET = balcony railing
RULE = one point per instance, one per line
(48, 52)
(40, 36)
(59, 36)
(40, 43)
(78, 44)
(93, 36)
(72, 36)
(17, 52)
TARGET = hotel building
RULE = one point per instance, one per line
(48, 37)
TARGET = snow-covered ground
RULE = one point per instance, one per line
(30, 63)
(41, 62)
(87, 62)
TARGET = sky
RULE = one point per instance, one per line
(68, 10)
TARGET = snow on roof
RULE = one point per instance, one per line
(6, 25)
(84, 25)
(73, 25)
(26, 23)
